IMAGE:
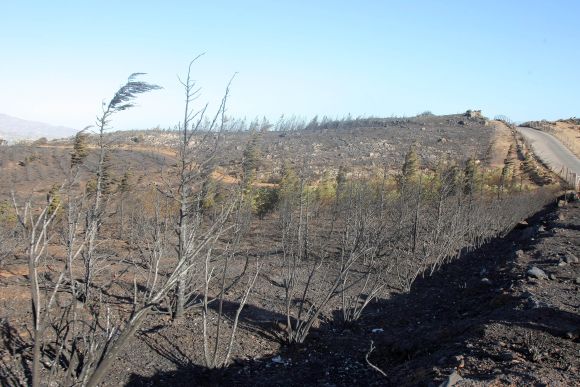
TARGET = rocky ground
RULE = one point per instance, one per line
(505, 314)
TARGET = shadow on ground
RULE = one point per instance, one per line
(437, 320)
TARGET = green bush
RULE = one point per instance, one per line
(264, 201)
(7, 213)
(326, 189)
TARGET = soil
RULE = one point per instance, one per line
(481, 320)
(508, 329)
(503, 137)
(568, 131)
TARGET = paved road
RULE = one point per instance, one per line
(551, 151)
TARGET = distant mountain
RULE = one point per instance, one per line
(14, 129)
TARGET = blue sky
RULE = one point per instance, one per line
(60, 59)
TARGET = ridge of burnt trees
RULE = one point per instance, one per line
(374, 239)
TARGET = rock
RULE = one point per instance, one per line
(473, 114)
(452, 380)
(571, 335)
(577, 280)
(537, 273)
(552, 277)
(277, 360)
(571, 258)
(459, 361)
(533, 303)
(561, 203)
(508, 356)
(562, 263)
(541, 229)
(520, 254)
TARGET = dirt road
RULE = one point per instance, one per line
(552, 152)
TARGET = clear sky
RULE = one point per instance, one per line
(60, 59)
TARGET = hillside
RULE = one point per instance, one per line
(363, 145)
(318, 280)
(364, 148)
(14, 129)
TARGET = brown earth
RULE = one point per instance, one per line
(503, 137)
(568, 132)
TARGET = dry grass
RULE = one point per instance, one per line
(569, 134)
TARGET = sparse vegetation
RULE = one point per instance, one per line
(215, 231)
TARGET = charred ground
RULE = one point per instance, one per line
(480, 315)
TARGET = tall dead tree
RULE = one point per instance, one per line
(123, 99)
(198, 143)
(36, 229)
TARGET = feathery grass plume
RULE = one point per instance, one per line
(125, 96)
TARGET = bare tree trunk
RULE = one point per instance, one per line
(182, 256)
(38, 326)
(36, 232)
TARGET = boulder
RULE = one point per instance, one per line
(452, 380)
(473, 114)
(571, 258)
(537, 273)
